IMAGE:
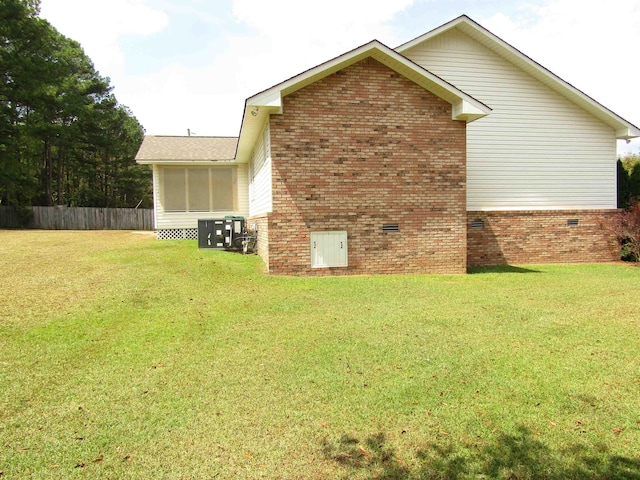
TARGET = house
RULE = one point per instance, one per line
(453, 150)
(194, 177)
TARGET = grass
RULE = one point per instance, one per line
(126, 357)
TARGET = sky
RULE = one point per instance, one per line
(184, 65)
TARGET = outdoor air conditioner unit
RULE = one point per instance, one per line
(222, 233)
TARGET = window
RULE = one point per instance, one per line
(198, 189)
(174, 191)
(222, 189)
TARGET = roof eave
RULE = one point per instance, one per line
(260, 106)
(624, 129)
(468, 112)
(272, 97)
(436, 31)
(169, 162)
(627, 133)
(253, 121)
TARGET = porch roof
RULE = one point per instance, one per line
(165, 149)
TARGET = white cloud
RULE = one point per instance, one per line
(283, 39)
(176, 98)
(586, 43)
(290, 36)
(265, 43)
(589, 44)
(98, 24)
(318, 23)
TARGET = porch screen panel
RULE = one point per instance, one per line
(222, 183)
(174, 190)
(198, 189)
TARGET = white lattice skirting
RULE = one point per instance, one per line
(177, 234)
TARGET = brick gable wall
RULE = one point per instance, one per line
(358, 149)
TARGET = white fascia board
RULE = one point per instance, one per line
(273, 96)
(432, 33)
(182, 163)
(385, 55)
(465, 107)
(624, 129)
(627, 133)
(252, 126)
(270, 98)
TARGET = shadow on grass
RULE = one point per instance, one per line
(511, 456)
(502, 269)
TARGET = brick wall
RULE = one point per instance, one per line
(362, 148)
(262, 223)
(540, 237)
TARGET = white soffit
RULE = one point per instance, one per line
(623, 128)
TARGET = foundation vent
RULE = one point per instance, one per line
(390, 227)
(572, 222)
(477, 224)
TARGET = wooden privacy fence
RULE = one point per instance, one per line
(77, 218)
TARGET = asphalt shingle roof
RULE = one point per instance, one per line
(166, 148)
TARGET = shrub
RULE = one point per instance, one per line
(634, 184)
(628, 172)
(623, 185)
(626, 228)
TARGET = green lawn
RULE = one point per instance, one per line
(122, 356)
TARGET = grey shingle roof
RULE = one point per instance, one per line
(166, 148)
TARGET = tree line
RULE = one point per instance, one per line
(64, 138)
(628, 180)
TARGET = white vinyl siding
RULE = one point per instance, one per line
(536, 150)
(207, 192)
(260, 176)
(243, 190)
(156, 195)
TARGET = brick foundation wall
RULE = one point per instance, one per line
(540, 237)
(362, 148)
(262, 222)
